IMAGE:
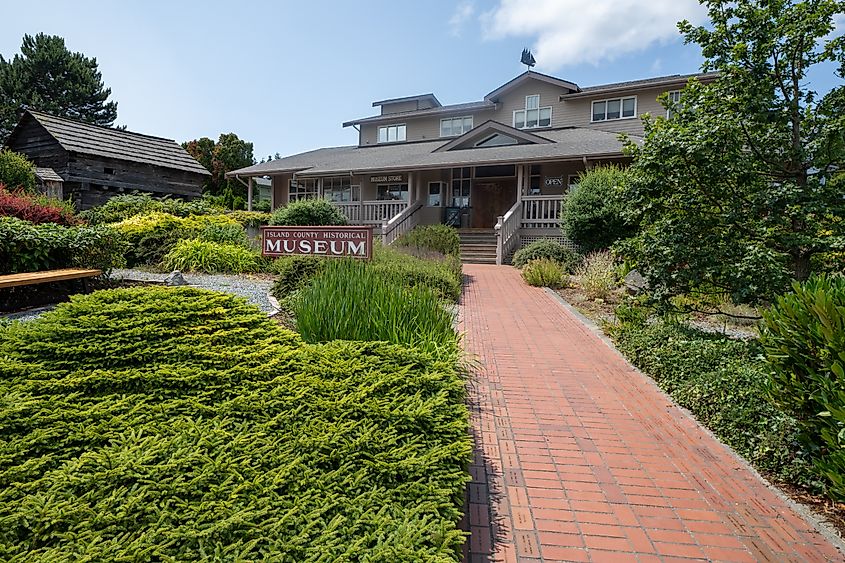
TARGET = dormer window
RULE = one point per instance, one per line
(455, 126)
(533, 115)
(391, 133)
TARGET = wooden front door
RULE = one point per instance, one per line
(489, 199)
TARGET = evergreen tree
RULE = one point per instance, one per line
(46, 76)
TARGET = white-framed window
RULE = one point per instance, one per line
(435, 194)
(340, 189)
(392, 192)
(454, 126)
(533, 115)
(614, 108)
(674, 98)
(461, 186)
(391, 133)
(572, 182)
(303, 188)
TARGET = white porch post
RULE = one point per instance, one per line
(412, 189)
(249, 193)
(520, 181)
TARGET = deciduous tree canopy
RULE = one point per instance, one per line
(741, 187)
(227, 154)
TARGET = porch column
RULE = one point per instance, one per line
(412, 189)
(520, 181)
(249, 193)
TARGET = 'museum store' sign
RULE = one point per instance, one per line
(354, 242)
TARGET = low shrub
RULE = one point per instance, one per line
(27, 247)
(436, 272)
(122, 207)
(36, 208)
(294, 273)
(437, 238)
(351, 301)
(17, 171)
(592, 215)
(549, 249)
(195, 255)
(182, 425)
(309, 213)
(543, 273)
(722, 382)
(253, 219)
(803, 335)
(597, 274)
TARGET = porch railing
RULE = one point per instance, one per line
(541, 211)
(371, 212)
(400, 223)
(507, 232)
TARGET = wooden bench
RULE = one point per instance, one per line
(32, 278)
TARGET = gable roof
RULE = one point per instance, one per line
(531, 75)
(569, 143)
(431, 97)
(84, 138)
(423, 112)
(486, 129)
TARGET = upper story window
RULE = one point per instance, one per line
(533, 115)
(391, 133)
(615, 108)
(674, 98)
(454, 126)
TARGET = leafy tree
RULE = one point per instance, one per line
(47, 76)
(592, 214)
(740, 188)
(17, 171)
(227, 154)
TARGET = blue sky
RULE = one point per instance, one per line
(286, 74)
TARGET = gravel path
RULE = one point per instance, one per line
(254, 289)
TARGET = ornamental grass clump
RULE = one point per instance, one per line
(195, 255)
(543, 273)
(350, 300)
(178, 424)
(438, 238)
(597, 274)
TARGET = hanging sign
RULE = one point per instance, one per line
(383, 179)
(554, 182)
(353, 242)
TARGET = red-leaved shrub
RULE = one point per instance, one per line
(35, 208)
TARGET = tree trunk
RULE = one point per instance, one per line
(801, 265)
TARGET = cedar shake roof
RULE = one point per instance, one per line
(47, 175)
(84, 138)
(567, 143)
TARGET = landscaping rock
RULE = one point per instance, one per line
(635, 283)
(175, 278)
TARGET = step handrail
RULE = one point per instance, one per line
(400, 223)
(507, 232)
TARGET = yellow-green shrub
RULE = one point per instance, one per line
(195, 255)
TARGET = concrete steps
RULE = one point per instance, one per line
(478, 246)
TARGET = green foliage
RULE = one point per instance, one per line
(543, 272)
(295, 273)
(592, 216)
(803, 335)
(721, 381)
(227, 154)
(738, 190)
(250, 218)
(436, 272)
(16, 170)
(177, 424)
(597, 274)
(26, 247)
(195, 255)
(309, 213)
(350, 301)
(122, 207)
(48, 77)
(549, 249)
(438, 238)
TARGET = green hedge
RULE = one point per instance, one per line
(441, 274)
(309, 213)
(17, 171)
(547, 249)
(803, 335)
(722, 381)
(26, 247)
(437, 238)
(175, 424)
(122, 207)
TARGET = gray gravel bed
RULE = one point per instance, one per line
(254, 289)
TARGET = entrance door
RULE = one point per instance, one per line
(491, 198)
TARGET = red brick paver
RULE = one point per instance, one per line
(581, 458)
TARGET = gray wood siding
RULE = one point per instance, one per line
(39, 146)
(420, 128)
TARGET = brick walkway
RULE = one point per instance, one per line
(581, 458)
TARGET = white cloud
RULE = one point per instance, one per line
(463, 12)
(570, 32)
